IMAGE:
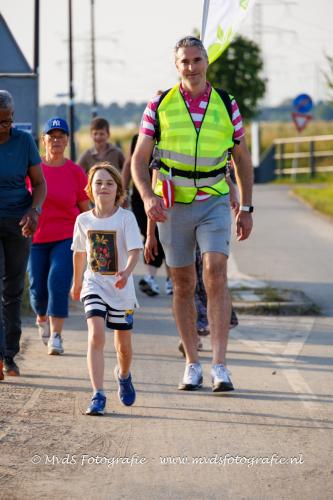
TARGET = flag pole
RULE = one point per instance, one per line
(204, 18)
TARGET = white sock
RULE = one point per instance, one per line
(99, 391)
(53, 334)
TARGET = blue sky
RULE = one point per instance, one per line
(135, 41)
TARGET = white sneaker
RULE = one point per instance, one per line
(192, 379)
(220, 379)
(149, 286)
(43, 331)
(54, 345)
(168, 286)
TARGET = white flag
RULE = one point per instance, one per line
(220, 21)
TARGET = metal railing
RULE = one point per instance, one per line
(309, 160)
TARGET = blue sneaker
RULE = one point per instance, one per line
(126, 391)
(97, 405)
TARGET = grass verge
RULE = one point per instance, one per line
(320, 178)
(320, 198)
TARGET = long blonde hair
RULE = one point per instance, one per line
(113, 171)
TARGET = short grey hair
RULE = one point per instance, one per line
(6, 100)
(190, 41)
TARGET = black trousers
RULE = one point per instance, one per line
(14, 254)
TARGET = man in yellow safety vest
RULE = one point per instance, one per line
(191, 131)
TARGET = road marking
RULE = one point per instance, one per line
(31, 401)
(293, 349)
(304, 328)
(27, 406)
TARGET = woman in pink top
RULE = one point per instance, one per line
(50, 265)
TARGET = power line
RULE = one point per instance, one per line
(258, 28)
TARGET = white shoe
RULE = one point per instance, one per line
(43, 330)
(192, 379)
(149, 286)
(54, 345)
(168, 286)
(221, 379)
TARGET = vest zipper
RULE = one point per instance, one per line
(196, 131)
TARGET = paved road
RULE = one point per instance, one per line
(282, 407)
(291, 246)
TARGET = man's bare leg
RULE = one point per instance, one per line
(184, 281)
(218, 302)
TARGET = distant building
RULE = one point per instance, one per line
(18, 78)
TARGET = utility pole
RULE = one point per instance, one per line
(93, 59)
(258, 28)
(257, 23)
(71, 89)
(36, 66)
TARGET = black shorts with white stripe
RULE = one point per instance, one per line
(115, 319)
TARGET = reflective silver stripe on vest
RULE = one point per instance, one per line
(159, 154)
(185, 182)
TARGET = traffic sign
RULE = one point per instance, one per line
(303, 103)
(300, 120)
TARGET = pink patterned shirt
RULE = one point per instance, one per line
(196, 106)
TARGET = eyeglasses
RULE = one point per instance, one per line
(5, 123)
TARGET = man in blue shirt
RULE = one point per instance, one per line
(19, 210)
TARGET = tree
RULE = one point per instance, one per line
(238, 71)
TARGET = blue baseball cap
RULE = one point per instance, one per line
(56, 123)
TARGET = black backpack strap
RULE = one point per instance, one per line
(157, 134)
(227, 102)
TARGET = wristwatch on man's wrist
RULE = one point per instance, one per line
(246, 208)
(37, 209)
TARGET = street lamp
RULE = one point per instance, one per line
(36, 65)
(71, 88)
(93, 59)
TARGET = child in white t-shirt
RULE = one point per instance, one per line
(108, 239)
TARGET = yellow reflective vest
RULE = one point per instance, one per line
(193, 159)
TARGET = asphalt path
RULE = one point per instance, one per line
(269, 439)
(291, 245)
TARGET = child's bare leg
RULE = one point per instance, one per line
(95, 354)
(123, 347)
